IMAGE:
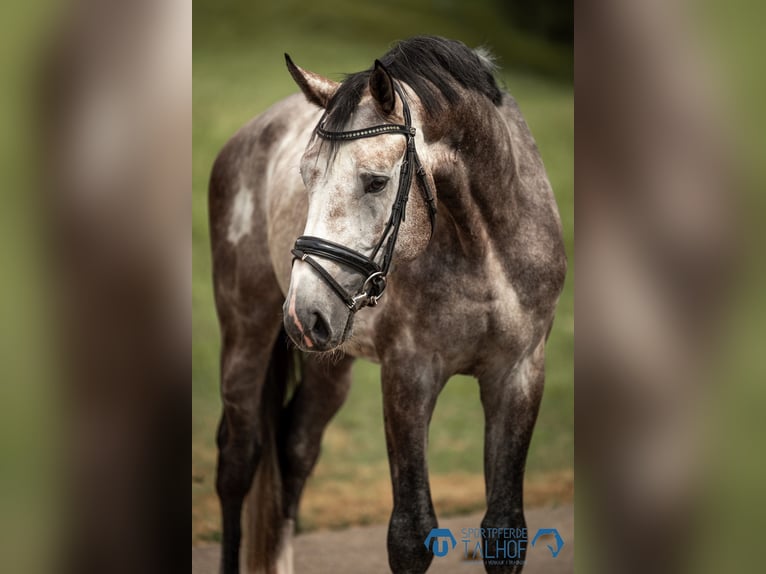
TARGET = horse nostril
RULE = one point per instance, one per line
(320, 331)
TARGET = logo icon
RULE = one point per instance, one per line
(440, 547)
(556, 535)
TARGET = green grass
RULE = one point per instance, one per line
(238, 72)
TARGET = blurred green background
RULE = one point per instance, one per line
(238, 72)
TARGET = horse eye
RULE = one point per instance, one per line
(375, 184)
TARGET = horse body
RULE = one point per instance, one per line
(478, 299)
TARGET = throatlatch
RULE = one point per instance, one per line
(308, 247)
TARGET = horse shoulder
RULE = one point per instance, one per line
(537, 259)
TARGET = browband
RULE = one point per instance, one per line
(365, 133)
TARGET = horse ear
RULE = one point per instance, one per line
(318, 90)
(382, 88)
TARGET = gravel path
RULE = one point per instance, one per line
(363, 548)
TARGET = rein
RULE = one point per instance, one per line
(308, 247)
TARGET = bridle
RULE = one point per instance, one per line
(308, 247)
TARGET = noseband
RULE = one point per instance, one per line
(307, 247)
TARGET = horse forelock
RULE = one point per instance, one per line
(439, 72)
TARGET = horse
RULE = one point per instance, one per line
(402, 215)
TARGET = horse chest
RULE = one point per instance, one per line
(461, 319)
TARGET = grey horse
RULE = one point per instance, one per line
(428, 241)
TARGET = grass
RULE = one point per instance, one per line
(238, 72)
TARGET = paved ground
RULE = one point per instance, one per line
(363, 549)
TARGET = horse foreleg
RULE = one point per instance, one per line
(511, 399)
(323, 389)
(410, 390)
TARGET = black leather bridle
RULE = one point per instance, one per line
(308, 247)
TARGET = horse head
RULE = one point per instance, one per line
(359, 172)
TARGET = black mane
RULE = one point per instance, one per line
(433, 67)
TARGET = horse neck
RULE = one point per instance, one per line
(476, 179)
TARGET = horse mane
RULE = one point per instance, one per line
(432, 66)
